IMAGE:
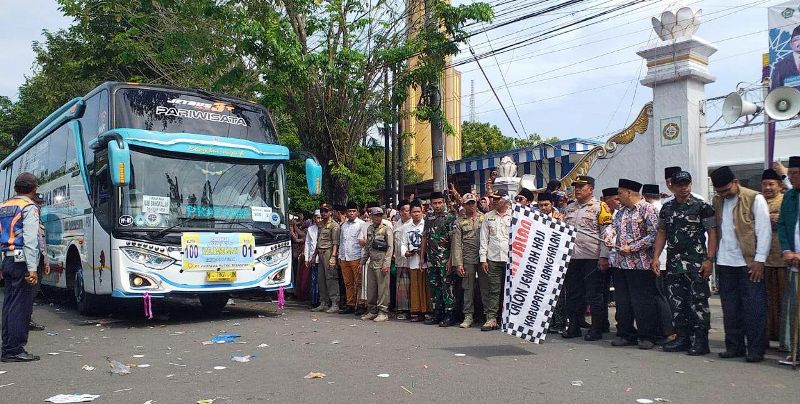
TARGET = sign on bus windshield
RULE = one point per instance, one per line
(180, 112)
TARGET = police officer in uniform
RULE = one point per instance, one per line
(466, 252)
(378, 250)
(682, 226)
(327, 250)
(583, 283)
(19, 219)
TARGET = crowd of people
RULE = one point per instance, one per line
(651, 254)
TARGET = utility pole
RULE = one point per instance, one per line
(395, 155)
(387, 135)
(472, 117)
(434, 100)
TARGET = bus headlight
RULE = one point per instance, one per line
(276, 277)
(275, 255)
(149, 259)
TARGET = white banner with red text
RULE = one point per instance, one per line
(538, 257)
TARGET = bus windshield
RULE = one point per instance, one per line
(173, 111)
(168, 191)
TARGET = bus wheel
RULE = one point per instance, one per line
(84, 301)
(213, 303)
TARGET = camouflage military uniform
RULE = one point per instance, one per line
(685, 225)
(438, 232)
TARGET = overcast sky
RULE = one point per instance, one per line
(581, 84)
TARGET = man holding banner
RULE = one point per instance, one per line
(583, 282)
(632, 235)
(540, 249)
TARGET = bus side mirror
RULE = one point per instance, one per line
(119, 161)
(313, 177)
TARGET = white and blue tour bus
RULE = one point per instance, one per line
(160, 190)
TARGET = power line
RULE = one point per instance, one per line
(495, 95)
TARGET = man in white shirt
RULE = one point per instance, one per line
(310, 248)
(403, 282)
(745, 240)
(411, 249)
(350, 253)
(494, 257)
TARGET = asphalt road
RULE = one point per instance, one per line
(420, 361)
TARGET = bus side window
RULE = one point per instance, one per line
(72, 160)
(94, 121)
(56, 155)
(101, 185)
(4, 184)
(14, 173)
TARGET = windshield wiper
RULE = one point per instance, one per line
(268, 232)
(161, 233)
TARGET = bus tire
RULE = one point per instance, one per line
(213, 303)
(87, 303)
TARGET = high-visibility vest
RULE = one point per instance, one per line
(11, 236)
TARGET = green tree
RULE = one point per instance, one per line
(479, 138)
(534, 139)
(7, 142)
(318, 63)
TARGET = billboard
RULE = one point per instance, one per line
(784, 44)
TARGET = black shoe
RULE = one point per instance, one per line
(731, 355)
(682, 343)
(434, 320)
(447, 321)
(700, 346)
(572, 332)
(754, 358)
(593, 335)
(32, 326)
(584, 324)
(347, 310)
(360, 311)
(23, 357)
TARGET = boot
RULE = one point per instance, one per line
(435, 319)
(467, 323)
(573, 329)
(447, 321)
(700, 345)
(491, 324)
(682, 343)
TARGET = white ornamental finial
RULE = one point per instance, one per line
(682, 24)
(507, 167)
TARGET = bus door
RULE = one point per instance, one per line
(98, 278)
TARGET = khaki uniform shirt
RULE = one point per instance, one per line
(585, 218)
(328, 235)
(466, 240)
(382, 233)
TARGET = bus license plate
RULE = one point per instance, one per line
(217, 276)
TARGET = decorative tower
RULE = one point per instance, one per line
(677, 71)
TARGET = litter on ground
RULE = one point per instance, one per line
(71, 398)
(225, 338)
